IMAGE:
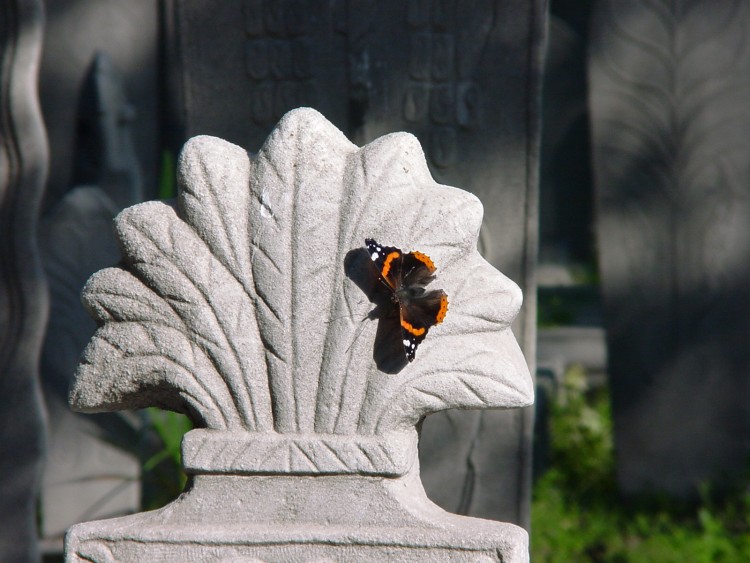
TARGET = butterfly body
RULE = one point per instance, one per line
(405, 275)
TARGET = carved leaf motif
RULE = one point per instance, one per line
(240, 299)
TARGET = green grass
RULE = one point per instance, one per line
(578, 516)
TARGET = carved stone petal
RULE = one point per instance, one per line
(259, 322)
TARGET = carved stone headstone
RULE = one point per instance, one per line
(246, 306)
(464, 78)
(23, 296)
(670, 102)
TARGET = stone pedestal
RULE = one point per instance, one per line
(305, 517)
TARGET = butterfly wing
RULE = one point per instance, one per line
(417, 269)
(406, 275)
(388, 261)
(418, 315)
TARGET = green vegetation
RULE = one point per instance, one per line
(167, 185)
(161, 469)
(577, 515)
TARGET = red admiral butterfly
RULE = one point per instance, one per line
(406, 276)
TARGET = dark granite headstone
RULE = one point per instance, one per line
(670, 102)
(23, 296)
(462, 76)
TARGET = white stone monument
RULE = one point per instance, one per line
(246, 306)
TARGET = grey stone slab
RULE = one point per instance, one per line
(562, 347)
(88, 473)
(670, 114)
(250, 305)
(23, 296)
(92, 469)
(464, 78)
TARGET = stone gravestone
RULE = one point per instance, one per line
(23, 296)
(250, 306)
(75, 31)
(464, 78)
(92, 470)
(670, 103)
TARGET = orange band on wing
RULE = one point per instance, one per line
(443, 309)
(425, 260)
(410, 328)
(387, 263)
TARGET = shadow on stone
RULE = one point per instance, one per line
(388, 351)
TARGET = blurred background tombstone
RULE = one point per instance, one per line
(104, 154)
(75, 31)
(462, 76)
(670, 102)
(571, 331)
(23, 297)
(92, 469)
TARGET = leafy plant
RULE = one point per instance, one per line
(577, 514)
(162, 474)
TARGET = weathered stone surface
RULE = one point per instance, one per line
(245, 306)
(464, 78)
(670, 112)
(23, 296)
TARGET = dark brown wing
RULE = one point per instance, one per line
(418, 315)
(388, 261)
(417, 269)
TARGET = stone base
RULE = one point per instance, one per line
(294, 518)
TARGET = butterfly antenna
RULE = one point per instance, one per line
(359, 333)
(349, 316)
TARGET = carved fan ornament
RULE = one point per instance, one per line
(235, 306)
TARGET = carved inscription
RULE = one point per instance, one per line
(278, 57)
(436, 96)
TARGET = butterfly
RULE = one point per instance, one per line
(405, 275)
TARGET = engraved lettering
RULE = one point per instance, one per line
(467, 105)
(281, 59)
(274, 17)
(302, 55)
(253, 17)
(443, 145)
(418, 12)
(420, 57)
(261, 103)
(442, 13)
(416, 102)
(296, 15)
(442, 56)
(287, 97)
(256, 58)
(442, 104)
